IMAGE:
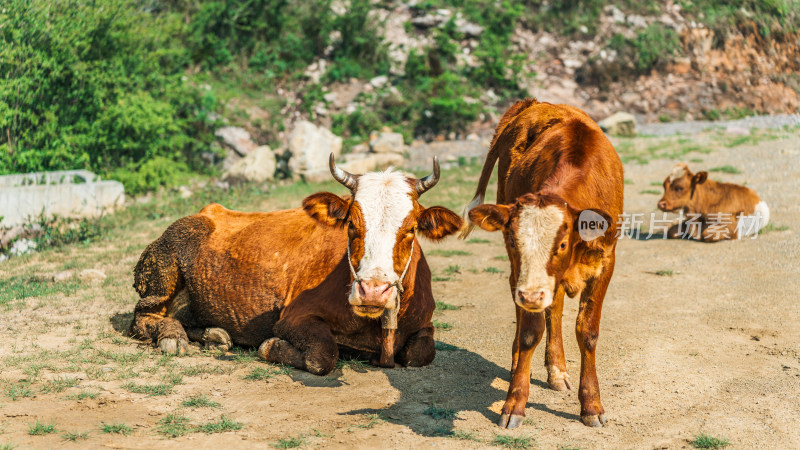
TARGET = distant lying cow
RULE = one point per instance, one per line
(715, 211)
(339, 272)
(559, 192)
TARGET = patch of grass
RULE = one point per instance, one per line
(493, 270)
(220, 426)
(448, 253)
(261, 373)
(18, 391)
(442, 306)
(478, 241)
(650, 191)
(83, 395)
(116, 428)
(172, 378)
(292, 442)
(200, 401)
(58, 385)
(567, 447)
(372, 419)
(725, 169)
(150, 389)
(440, 413)
(773, 227)
(515, 442)
(665, 273)
(21, 287)
(351, 363)
(656, 183)
(696, 160)
(452, 269)
(628, 181)
(501, 258)
(441, 278)
(40, 429)
(174, 426)
(75, 436)
(444, 326)
(707, 441)
(445, 347)
(464, 435)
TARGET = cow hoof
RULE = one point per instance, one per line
(174, 346)
(510, 421)
(266, 346)
(594, 420)
(217, 339)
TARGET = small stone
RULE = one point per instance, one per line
(620, 124)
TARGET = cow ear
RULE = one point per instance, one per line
(699, 178)
(491, 217)
(591, 224)
(438, 222)
(326, 208)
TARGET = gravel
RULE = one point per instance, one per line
(694, 127)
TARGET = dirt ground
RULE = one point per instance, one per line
(695, 338)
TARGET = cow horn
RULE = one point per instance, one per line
(423, 184)
(342, 176)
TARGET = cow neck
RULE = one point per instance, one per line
(389, 317)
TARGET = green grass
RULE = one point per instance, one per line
(200, 401)
(18, 391)
(261, 373)
(22, 287)
(351, 363)
(40, 429)
(725, 169)
(665, 273)
(515, 442)
(440, 413)
(567, 447)
(58, 385)
(373, 419)
(493, 270)
(174, 426)
(151, 390)
(292, 442)
(442, 306)
(438, 279)
(221, 426)
(707, 441)
(501, 258)
(83, 395)
(75, 436)
(116, 428)
(462, 435)
(650, 191)
(656, 183)
(772, 227)
(452, 269)
(444, 326)
(448, 253)
(478, 241)
(445, 347)
(7, 446)
(628, 181)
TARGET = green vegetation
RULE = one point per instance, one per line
(220, 426)
(773, 227)
(116, 428)
(40, 429)
(515, 442)
(22, 287)
(440, 413)
(292, 442)
(492, 270)
(151, 390)
(452, 269)
(174, 426)
(707, 441)
(444, 326)
(200, 401)
(73, 437)
(477, 241)
(16, 391)
(442, 306)
(664, 273)
(725, 169)
(448, 253)
(261, 373)
(650, 192)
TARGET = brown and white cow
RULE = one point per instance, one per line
(284, 280)
(559, 193)
(715, 211)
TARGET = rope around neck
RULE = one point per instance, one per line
(389, 317)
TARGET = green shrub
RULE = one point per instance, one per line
(150, 174)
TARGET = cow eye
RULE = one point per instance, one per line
(678, 188)
(563, 245)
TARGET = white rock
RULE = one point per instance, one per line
(236, 138)
(62, 276)
(185, 192)
(379, 81)
(470, 29)
(257, 167)
(619, 123)
(311, 147)
(387, 142)
(92, 275)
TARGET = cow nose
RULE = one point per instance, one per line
(374, 293)
(662, 205)
(531, 301)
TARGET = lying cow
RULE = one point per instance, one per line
(559, 189)
(340, 271)
(714, 211)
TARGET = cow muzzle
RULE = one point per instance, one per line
(663, 205)
(369, 298)
(535, 300)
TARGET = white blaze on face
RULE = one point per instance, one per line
(385, 201)
(537, 231)
(678, 172)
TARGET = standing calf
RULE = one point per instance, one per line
(716, 210)
(557, 174)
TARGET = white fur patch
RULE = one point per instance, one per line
(385, 201)
(677, 172)
(749, 225)
(537, 231)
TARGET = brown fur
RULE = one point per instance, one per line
(695, 194)
(555, 155)
(282, 279)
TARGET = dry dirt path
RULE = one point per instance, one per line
(714, 347)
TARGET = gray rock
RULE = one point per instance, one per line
(387, 142)
(619, 124)
(257, 167)
(310, 147)
(236, 138)
(428, 21)
(470, 30)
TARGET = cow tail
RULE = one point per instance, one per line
(491, 160)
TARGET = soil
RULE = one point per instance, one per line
(712, 348)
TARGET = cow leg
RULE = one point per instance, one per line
(554, 361)
(419, 350)
(587, 329)
(150, 322)
(307, 345)
(530, 329)
(212, 338)
(512, 281)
